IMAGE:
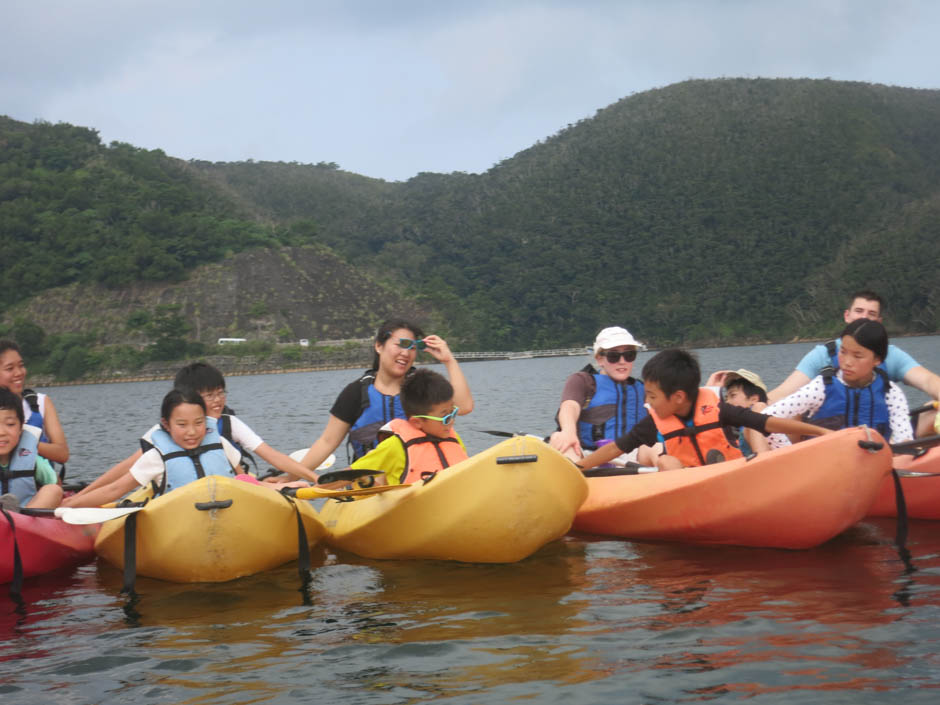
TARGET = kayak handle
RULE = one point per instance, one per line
(871, 445)
(512, 459)
(218, 504)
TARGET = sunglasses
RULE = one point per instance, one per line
(408, 344)
(614, 355)
(446, 419)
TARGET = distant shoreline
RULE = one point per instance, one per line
(465, 357)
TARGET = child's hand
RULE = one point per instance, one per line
(717, 379)
(438, 349)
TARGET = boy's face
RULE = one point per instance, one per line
(215, 401)
(736, 397)
(433, 427)
(10, 431)
(663, 405)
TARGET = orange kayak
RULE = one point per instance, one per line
(794, 497)
(921, 494)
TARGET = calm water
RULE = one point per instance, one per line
(585, 620)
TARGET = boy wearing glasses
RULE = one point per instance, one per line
(604, 403)
(425, 442)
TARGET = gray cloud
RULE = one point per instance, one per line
(390, 89)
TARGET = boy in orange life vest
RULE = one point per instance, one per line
(692, 423)
(426, 440)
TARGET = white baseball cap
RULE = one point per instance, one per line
(614, 337)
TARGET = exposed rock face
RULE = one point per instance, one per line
(303, 290)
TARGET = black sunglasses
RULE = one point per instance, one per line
(614, 355)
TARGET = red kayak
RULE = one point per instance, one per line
(44, 544)
(921, 494)
(794, 497)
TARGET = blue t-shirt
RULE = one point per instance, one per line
(897, 364)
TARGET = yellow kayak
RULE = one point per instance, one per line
(498, 506)
(215, 529)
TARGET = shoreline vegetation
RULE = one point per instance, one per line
(349, 358)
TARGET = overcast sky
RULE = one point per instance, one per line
(390, 88)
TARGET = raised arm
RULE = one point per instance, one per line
(440, 351)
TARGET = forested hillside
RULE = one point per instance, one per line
(703, 212)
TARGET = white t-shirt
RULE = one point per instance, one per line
(241, 434)
(150, 467)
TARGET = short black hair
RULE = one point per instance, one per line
(199, 377)
(869, 334)
(749, 388)
(423, 390)
(673, 370)
(868, 295)
(10, 401)
(9, 345)
(175, 397)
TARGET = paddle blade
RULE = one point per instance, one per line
(298, 455)
(92, 515)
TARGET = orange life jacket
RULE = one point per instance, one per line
(690, 442)
(424, 453)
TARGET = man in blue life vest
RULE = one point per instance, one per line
(900, 366)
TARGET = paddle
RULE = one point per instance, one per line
(916, 444)
(320, 493)
(349, 475)
(92, 515)
(929, 406)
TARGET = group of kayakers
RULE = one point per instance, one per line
(399, 420)
(847, 382)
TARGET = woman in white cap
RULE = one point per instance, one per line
(603, 403)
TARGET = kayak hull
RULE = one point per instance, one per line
(795, 497)
(240, 529)
(45, 545)
(921, 494)
(482, 510)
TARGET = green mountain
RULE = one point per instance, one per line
(703, 212)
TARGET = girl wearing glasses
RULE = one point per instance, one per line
(603, 403)
(367, 404)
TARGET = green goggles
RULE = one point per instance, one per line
(447, 419)
(408, 344)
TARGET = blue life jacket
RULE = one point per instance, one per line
(613, 409)
(20, 477)
(184, 466)
(376, 410)
(846, 406)
(35, 417)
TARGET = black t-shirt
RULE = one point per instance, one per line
(348, 404)
(645, 433)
